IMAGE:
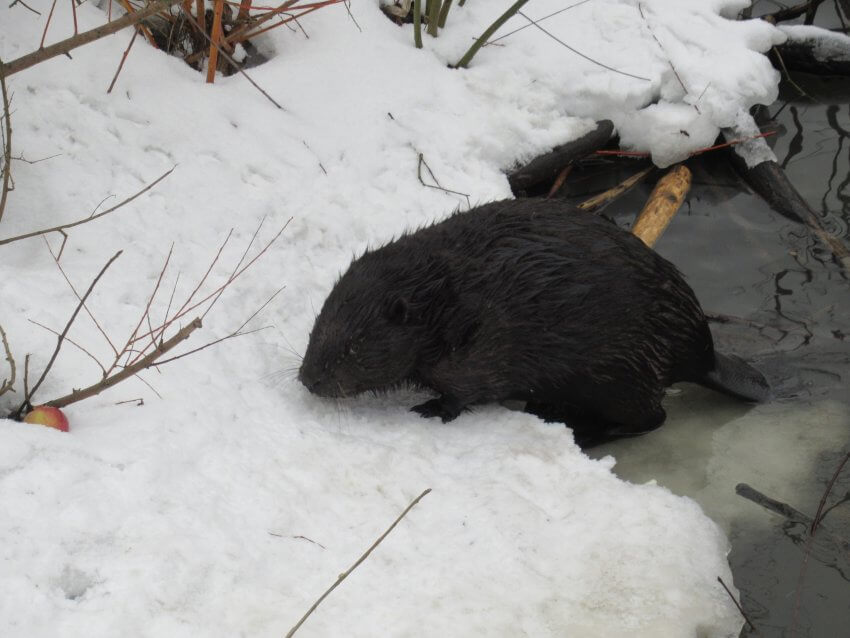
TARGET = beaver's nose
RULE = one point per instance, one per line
(312, 380)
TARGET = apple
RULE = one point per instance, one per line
(49, 416)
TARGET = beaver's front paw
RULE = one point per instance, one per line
(444, 407)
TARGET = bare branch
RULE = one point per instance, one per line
(77, 295)
(345, 574)
(123, 60)
(129, 371)
(7, 146)
(236, 333)
(61, 337)
(72, 342)
(69, 44)
(8, 383)
(90, 218)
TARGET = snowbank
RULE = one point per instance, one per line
(229, 504)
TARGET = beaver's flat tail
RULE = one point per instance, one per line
(732, 375)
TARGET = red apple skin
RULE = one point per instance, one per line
(49, 416)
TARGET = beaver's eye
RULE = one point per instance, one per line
(352, 350)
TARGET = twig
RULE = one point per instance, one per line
(72, 342)
(108, 382)
(26, 374)
(90, 218)
(236, 333)
(145, 313)
(7, 146)
(77, 295)
(525, 26)
(61, 337)
(7, 383)
(582, 55)
(63, 47)
(47, 25)
(25, 5)
(345, 574)
(740, 609)
(422, 163)
(481, 41)
(123, 59)
(820, 513)
(229, 281)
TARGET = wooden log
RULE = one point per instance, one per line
(663, 204)
(813, 50)
(546, 167)
(770, 182)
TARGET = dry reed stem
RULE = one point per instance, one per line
(365, 555)
(663, 204)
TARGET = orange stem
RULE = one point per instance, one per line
(215, 40)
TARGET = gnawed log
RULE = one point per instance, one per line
(545, 168)
(663, 204)
(757, 164)
(813, 50)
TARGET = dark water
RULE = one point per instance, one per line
(782, 301)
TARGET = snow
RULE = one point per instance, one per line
(228, 503)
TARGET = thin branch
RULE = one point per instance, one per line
(108, 382)
(61, 337)
(345, 574)
(72, 342)
(737, 604)
(236, 333)
(90, 218)
(7, 383)
(217, 291)
(123, 60)
(63, 47)
(546, 17)
(582, 55)
(145, 313)
(820, 513)
(77, 295)
(7, 147)
(25, 5)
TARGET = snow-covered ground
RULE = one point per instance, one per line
(232, 498)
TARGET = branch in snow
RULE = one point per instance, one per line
(7, 383)
(69, 44)
(346, 573)
(92, 217)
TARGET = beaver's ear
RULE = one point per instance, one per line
(399, 311)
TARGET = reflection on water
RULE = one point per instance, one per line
(778, 297)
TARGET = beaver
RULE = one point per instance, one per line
(527, 300)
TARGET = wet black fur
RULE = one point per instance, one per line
(520, 299)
